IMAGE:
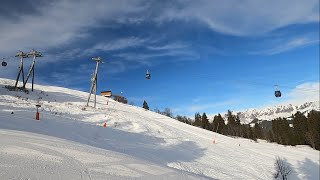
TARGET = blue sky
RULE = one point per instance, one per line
(204, 56)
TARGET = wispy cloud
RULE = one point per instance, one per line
(63, 22)
(287, 46)
(245, 18)
(66, 77)
(151, 55)
(117, 44)
(170, 46)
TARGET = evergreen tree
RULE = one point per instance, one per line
(145, 105)
(258, 131)
(231, 118)
(197, 120)
(237, 120)
(282, 131)
(300, 128)
(230, 127)
(251, 133)
(204, 121)
(237, 125)
(313, 134)
(243, 131)
(218, 124)
(270, 136)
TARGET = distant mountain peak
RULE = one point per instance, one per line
(270, 113)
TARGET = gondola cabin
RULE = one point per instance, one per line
(4, 63)
(148, 76)
(277, 93)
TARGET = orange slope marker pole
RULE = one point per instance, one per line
(37, 113)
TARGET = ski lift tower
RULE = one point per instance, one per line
(33, 54)
(21, 55)
(94, 81)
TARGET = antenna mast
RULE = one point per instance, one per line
(94, 81)
(21, 55)
(33, 54)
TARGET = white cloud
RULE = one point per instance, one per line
(63, 22)
(306, 92)
(246, 17)
(287, 46)
(186, 54)
(169, 46)
(118, 44)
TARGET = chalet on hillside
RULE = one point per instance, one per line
(106, 93)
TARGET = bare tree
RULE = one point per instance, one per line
(282, 169)
(168, 112)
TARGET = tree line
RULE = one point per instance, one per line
(302, 131)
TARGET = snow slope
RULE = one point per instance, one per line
(33, 156)
(136, 143)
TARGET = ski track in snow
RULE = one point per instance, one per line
(136, 143)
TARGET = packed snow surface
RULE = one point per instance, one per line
(70, 142)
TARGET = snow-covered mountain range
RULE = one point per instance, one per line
(270, 113)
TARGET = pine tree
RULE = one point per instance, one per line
(197, 120)
(282, 131)
(313, 134)
(300, 128)
(205, 121)
(237, 120)
(251, 134)
(145, 105)
(270, 136)
(218, 124)
(231, 118)
(258, 131)
(231, 128)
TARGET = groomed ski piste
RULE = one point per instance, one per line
(70, 142)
